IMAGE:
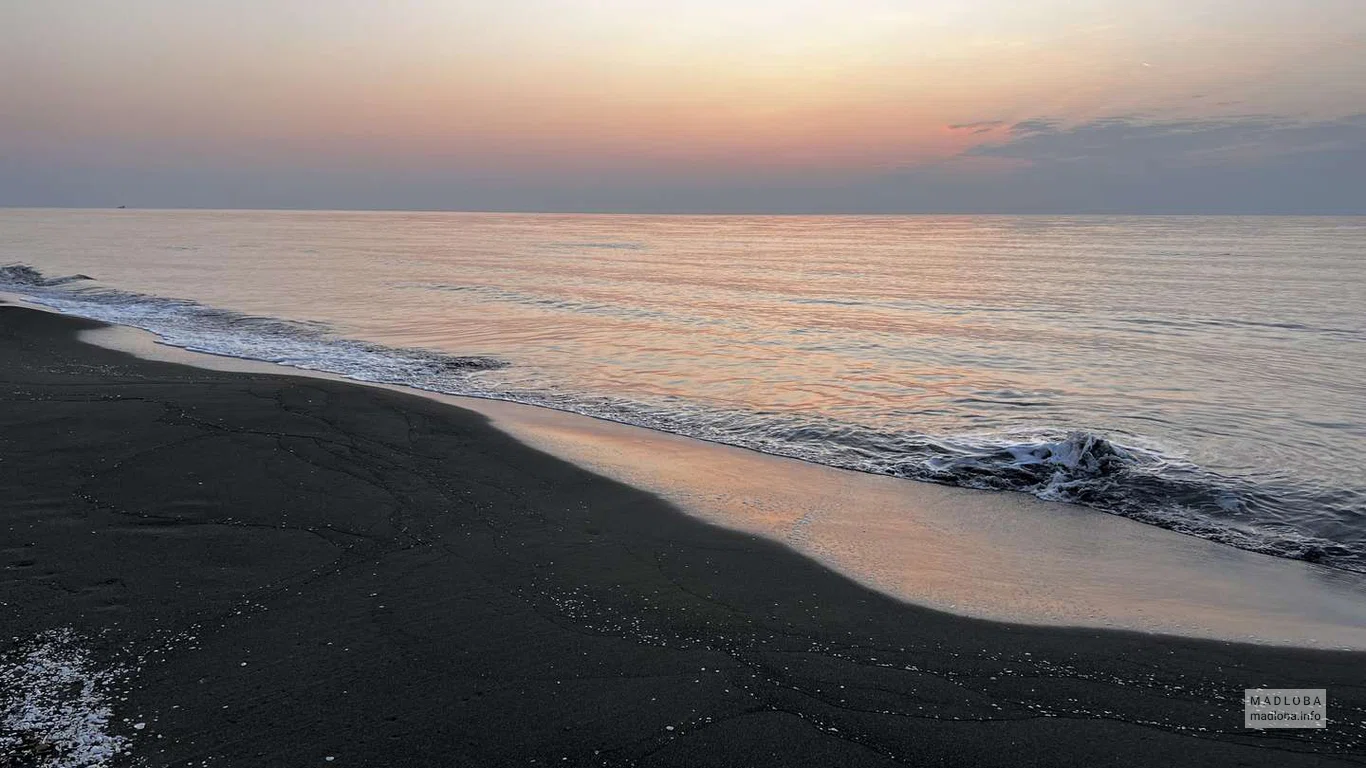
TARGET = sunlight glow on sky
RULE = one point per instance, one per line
(610, 104)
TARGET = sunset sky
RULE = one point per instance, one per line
(748, 105)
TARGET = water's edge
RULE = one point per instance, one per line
(1120, 474)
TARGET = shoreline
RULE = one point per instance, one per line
(992, 555)
(297, 570)
(1165, 476)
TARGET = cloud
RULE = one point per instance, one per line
(1136, 163)
(981, 126)
(1038, 125)
(1131, 141)
(1114, 165)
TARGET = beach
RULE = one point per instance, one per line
(698, 385)
(257, 569)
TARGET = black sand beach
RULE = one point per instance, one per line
(300, 572)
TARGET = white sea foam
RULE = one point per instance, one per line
(1120, 473)
(199, 328)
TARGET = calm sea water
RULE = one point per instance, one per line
(1203, 374)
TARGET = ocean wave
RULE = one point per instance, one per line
(1123, 474)
(1113, 473)
(600, 246)
(556, 304)
(199, 328)
(25, 276)
(1144, 484)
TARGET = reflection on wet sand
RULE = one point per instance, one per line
(993, 555)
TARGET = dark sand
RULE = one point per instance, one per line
(409, 587)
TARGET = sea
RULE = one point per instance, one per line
(1202, 374)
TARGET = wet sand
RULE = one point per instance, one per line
(292, 569)
(1003, 556)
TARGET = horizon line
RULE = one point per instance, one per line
(844, 213)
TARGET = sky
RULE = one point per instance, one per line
(745, 106)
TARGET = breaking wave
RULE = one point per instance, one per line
(1123, 474)
(199, 328)
(23, 275)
